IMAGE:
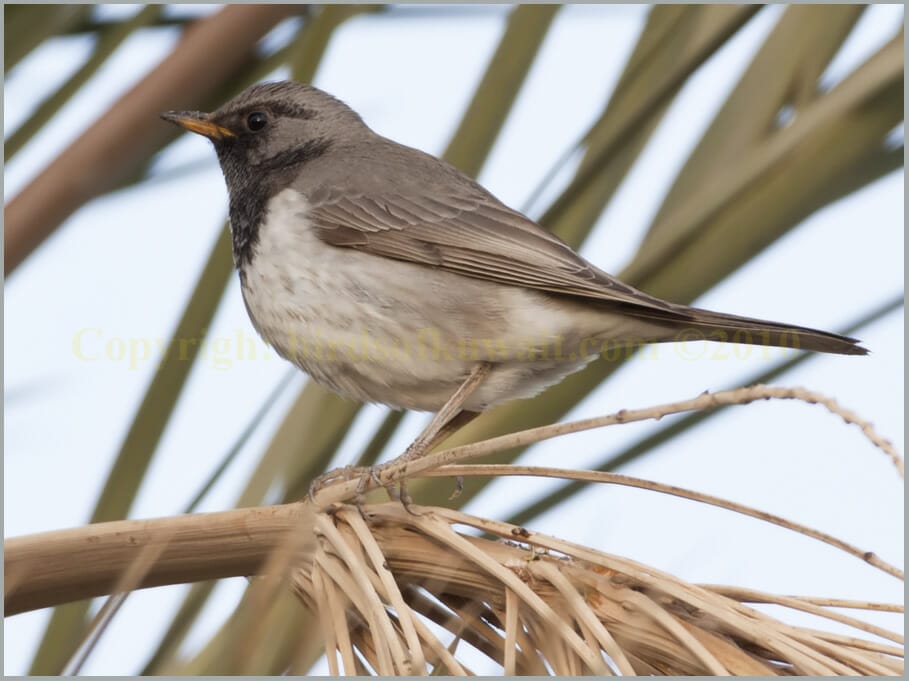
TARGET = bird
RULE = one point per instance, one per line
(391, 277)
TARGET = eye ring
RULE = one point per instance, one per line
(256, 121)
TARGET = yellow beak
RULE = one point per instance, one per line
(198, 122)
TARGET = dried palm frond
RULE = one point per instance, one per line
(534, 604)
(428, 589)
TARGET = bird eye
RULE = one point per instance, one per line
(256, 121)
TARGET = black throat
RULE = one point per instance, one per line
(250, 187)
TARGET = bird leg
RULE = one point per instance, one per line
(440, 426)
(458, 421)
(449, 419)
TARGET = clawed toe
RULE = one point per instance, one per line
(395, 490)
(459, 488)
(339, 474)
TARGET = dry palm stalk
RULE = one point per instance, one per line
(536, 603)
(398, 593)
(395, 471)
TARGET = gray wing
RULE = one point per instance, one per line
(475, 235)
(472, 235)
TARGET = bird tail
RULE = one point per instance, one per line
(681, 323)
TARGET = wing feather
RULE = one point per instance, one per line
(475, 236)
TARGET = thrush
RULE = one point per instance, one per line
(389, 276)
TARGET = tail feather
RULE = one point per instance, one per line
(690, 323)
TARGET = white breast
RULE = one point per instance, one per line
(337, 314)
(388, 331)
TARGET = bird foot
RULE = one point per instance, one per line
(459, 488)
(344, 474)
(395, 490)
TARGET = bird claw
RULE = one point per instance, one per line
(346, 474)
(459, 488)
(406, 500)
(339, 474)
(395, 490)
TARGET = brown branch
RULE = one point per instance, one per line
(502, 470)
(560, 602)
(116, 145)
(51, 568)
(399, 469)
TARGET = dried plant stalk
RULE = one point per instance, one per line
(401, 592)
(399, 470)
(532, 598)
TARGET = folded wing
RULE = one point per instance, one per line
(473, 234)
